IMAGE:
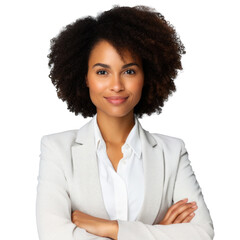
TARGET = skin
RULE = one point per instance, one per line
(110, 75)
(115, 80)
(179, 212)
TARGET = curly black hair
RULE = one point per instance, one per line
(141, 30)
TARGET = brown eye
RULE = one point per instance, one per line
(101, 72)
(130, 72)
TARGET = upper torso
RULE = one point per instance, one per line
(121, 174)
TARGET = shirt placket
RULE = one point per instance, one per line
(121, 196)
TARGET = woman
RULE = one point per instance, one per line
(112, 178)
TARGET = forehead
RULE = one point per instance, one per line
(105, 51)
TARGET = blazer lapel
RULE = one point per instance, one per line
(153, 177)
(86, 176)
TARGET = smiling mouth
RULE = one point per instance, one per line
(116, 97)
(116, 100)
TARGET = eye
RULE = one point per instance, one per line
(130, 71)
(101, 72)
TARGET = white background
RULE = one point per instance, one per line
(204, 111)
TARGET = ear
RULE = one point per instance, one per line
(86, 81)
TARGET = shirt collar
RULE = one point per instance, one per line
(133, 139)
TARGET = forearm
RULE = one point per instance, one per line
(181, 231)
(112, 229)
(94, 225)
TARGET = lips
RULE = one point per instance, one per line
(116, 98)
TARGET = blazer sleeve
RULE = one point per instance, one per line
(53, 205)
(200, 227)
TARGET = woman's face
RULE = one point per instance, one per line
(111, 77)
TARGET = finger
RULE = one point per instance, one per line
(174, 206)
(188, 218)
(185, 214)
(178, 213)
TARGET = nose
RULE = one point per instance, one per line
(117, 83)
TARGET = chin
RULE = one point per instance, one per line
(117, 113)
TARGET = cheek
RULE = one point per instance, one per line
(136, 87)
(96, 86)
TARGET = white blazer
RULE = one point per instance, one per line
(68, 180)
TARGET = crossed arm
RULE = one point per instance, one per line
(56, 221)
(180, 212)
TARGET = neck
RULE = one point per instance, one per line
(115, 130)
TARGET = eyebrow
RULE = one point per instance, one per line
(108, 66)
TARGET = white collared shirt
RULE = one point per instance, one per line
(123, 191)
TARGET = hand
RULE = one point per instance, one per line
(97, 226)
(179, 212)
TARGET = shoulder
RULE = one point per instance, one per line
(167, 139)
(169, 142)
(173, 148)
(60, 139)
